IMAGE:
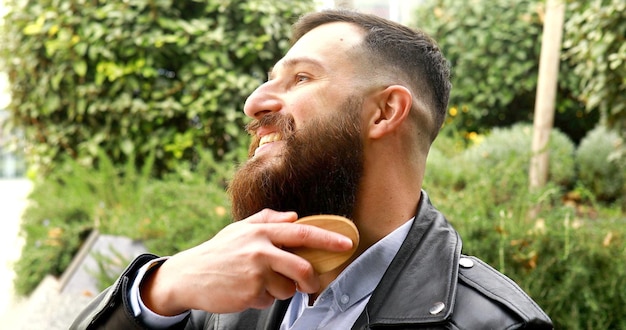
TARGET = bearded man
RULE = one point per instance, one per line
(343, 127)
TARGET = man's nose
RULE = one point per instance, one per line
(262, 101)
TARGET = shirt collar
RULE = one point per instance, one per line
(362, 276)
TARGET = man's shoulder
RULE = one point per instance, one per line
(483, 287)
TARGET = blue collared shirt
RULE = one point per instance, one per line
(341, 303)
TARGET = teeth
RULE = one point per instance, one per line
(273, 137)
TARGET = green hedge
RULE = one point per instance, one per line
(513, 144)
(177, 212)
(503, 149)
(134, 78)
(601, 159)
(595, 43)
(493, 47)
(560, 244)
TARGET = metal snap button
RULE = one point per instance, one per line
(437, 308)
(466, 262)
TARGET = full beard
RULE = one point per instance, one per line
(318, 172)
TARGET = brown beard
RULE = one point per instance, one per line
(318, 173)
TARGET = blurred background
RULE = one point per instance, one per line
(124, 119)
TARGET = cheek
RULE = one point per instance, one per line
(309, 109)
(301, 111)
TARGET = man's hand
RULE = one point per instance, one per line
(243, 266)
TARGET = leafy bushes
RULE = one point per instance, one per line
(140, 77)
(595, 40)
(600, 168)
(560, 245)
(168, 215)
(504, 149)
(493, 47)
(514, 144)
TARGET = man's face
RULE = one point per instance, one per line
(306, 153)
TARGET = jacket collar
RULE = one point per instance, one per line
(420, 284)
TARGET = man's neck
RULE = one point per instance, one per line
(368, 237)
(382, 206)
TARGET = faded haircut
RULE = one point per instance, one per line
(408, 52)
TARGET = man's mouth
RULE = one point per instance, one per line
(269, 138)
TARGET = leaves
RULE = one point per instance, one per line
(596, 47)
(141, 74)
(493, 48)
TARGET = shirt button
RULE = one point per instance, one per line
(344, 299)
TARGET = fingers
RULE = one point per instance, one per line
(269, 216)
(297, 271)
(280, 287)
(296, 235)
(264, 300)
(288, 273)
(300, 235)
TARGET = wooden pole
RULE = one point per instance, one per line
(546, 91)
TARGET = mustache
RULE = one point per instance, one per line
(285, 125)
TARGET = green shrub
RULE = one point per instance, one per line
(168, 215)
(595, 46)
(138, 77)
(565, 260)
(505, 154)
(513, 144)
(600, 167)
(493, 47)
(563, 252)
(58, 218)
(446, 174)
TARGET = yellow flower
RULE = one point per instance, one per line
(453, 111)
(53, 30)
(220, 210)
(474, 137)
(55, 233)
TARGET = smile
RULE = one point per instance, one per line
(269, 138)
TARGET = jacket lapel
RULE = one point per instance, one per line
(420, 284)
(275, 315)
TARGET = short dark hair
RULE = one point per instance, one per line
(412, 52)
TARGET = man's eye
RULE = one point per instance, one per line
(301, 78)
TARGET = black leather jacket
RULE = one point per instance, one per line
(429, 285)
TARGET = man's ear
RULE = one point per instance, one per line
(393, 106)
